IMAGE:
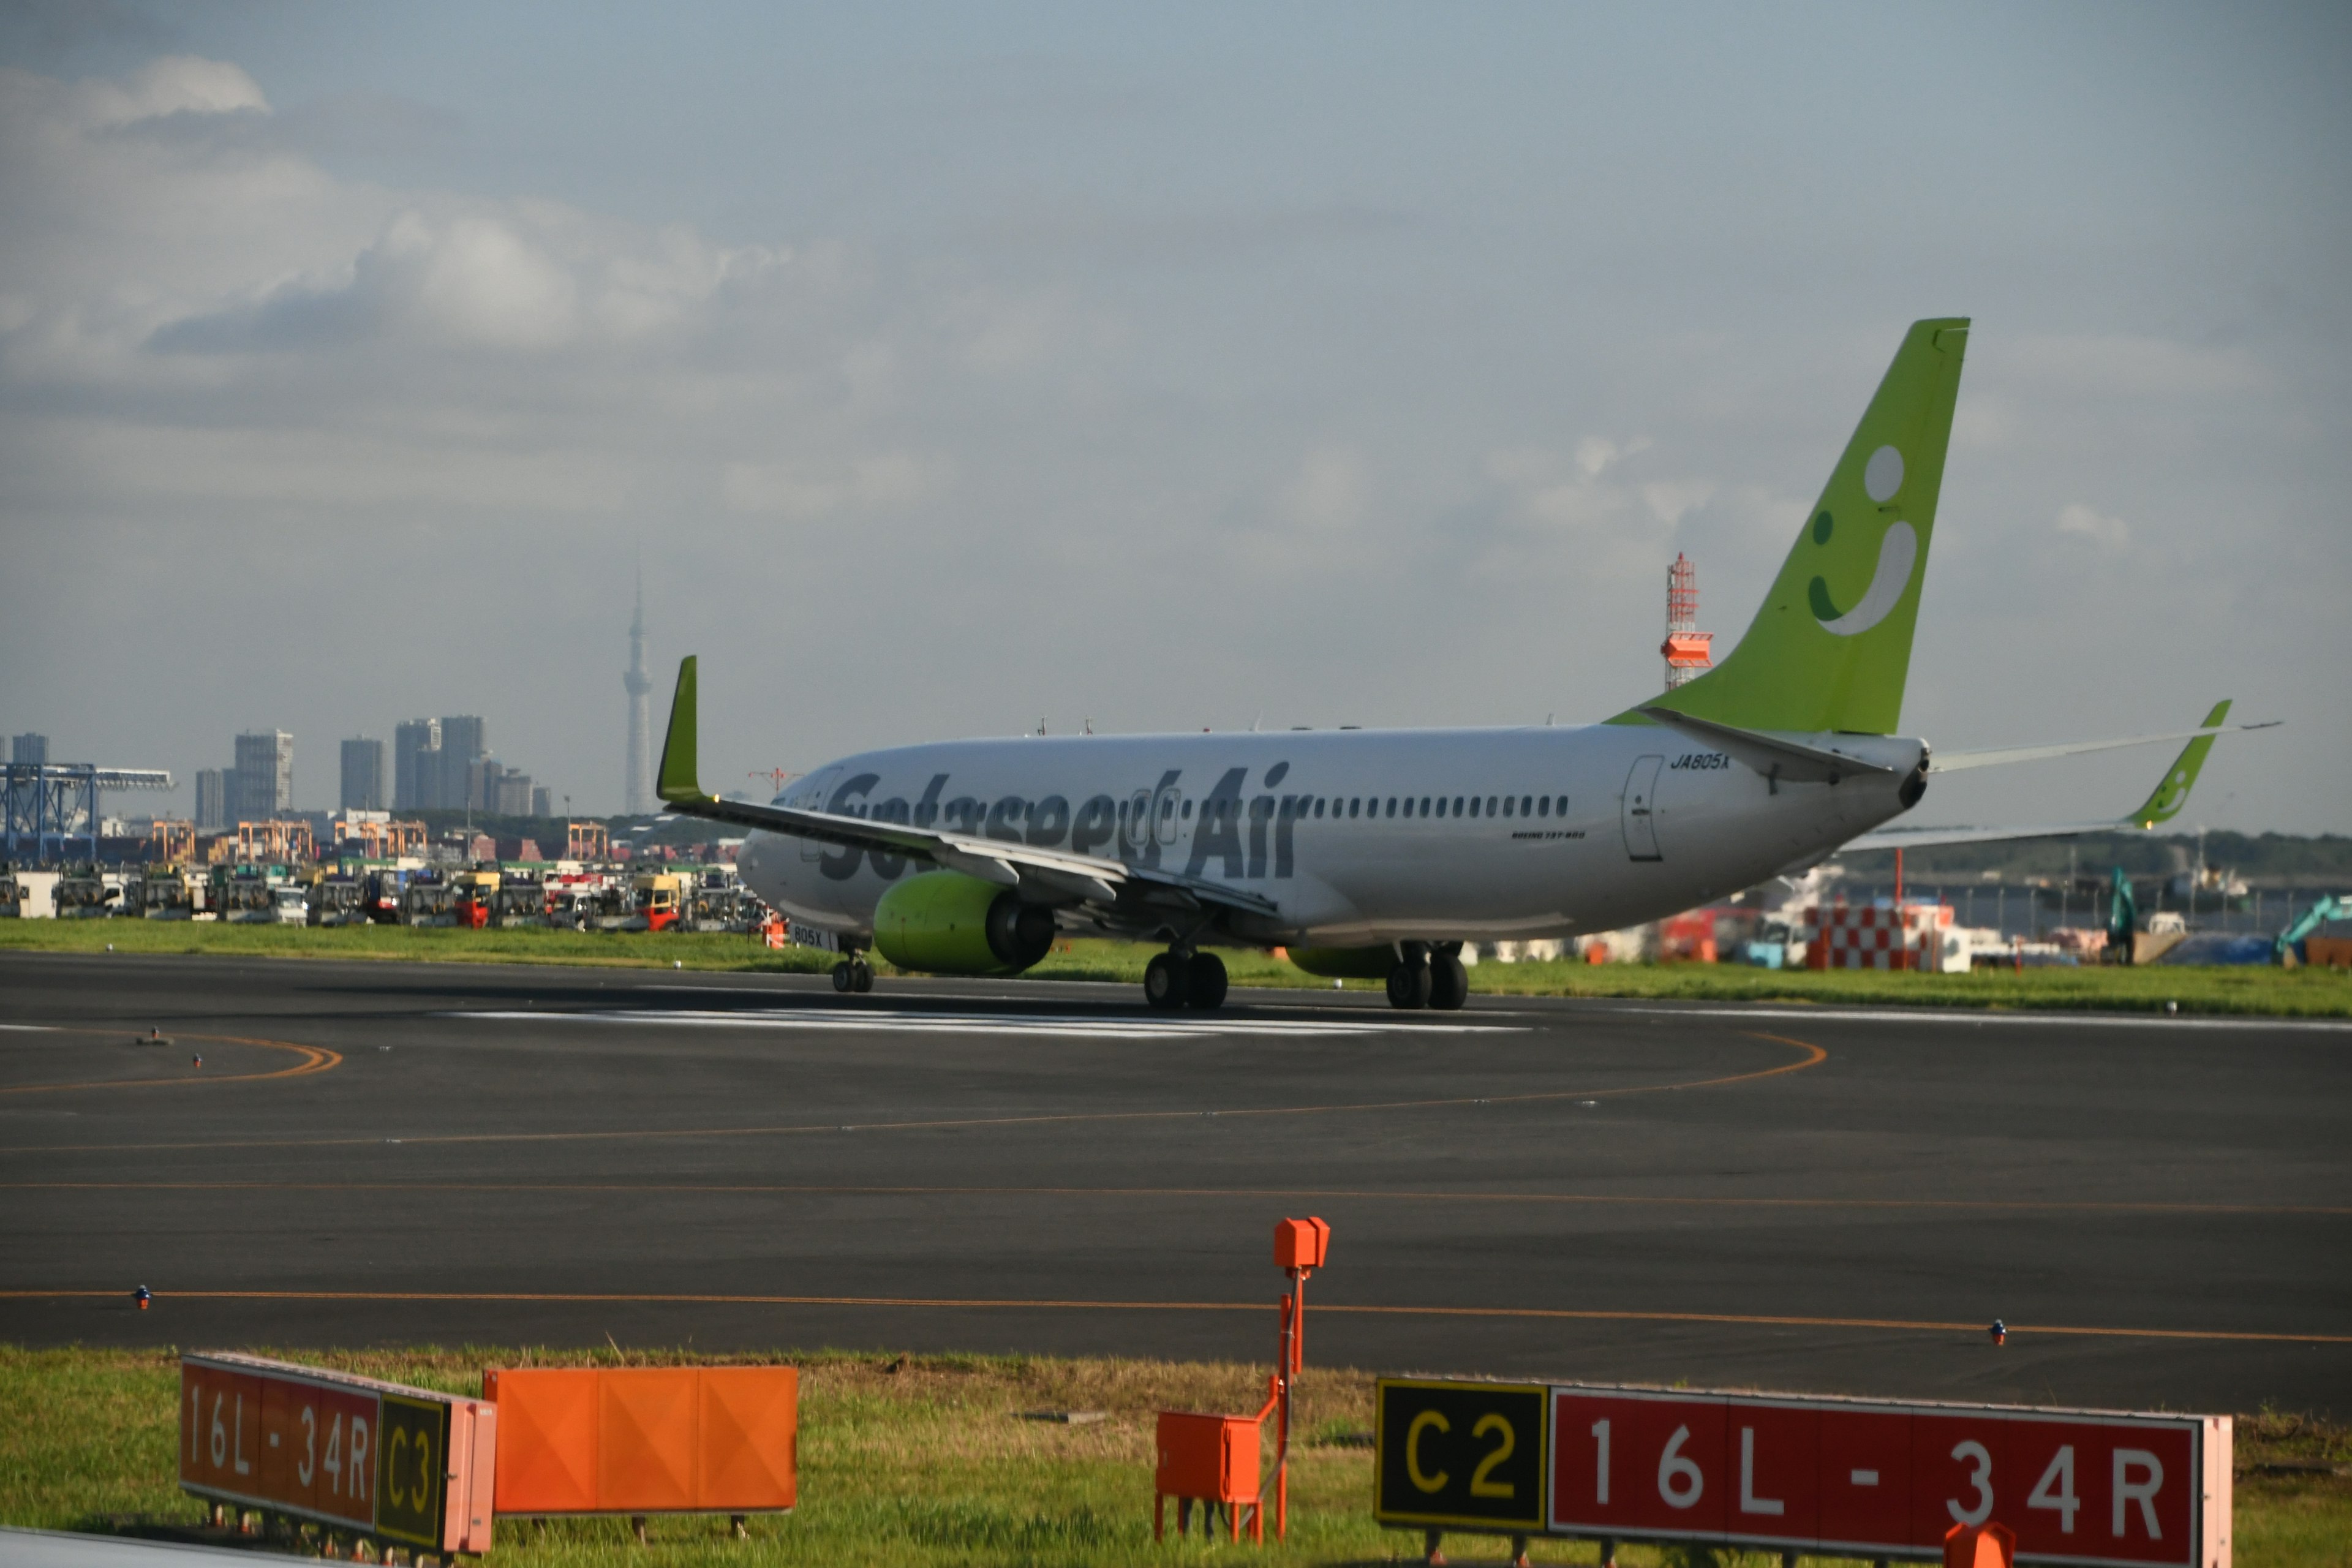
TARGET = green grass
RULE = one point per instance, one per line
(2306, 993)
(924, 1460)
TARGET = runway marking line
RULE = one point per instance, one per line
(1336, 1194)
(1812, 1056)
(952, 1303)
(315, 1059)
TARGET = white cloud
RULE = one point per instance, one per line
(1329, 492)
(2131, 365)
(813, 491)
(2088, 522)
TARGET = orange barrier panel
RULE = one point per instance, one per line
(750, 1438)
(641, 1440)
(547, 1449)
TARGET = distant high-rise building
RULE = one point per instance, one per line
(362, 774)
(541, 805)
(265, 777)
(465, 743)
(212, 800)
(29, 748)
(511, 791)
(417, 765)
(638, 793)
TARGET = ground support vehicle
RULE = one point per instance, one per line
(427, 903)
(28, 895)
(85, 893)
(519, 902)
(161, 894)
(247, 895)
(289, 904)
(471, 897)
(339, 901)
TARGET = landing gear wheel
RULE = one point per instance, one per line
(1167, 980)
(844, 979)
(1409, 983)
(861, 976)
(1449, 983)
(1207, 990)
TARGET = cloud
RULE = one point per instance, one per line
(2130, 364)
(2088, 522)
(813, 492)
(1328, 495)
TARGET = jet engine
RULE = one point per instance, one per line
(944, 922)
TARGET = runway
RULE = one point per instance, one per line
(1782, 1198)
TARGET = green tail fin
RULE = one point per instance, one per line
(2170, 796)
(1832, 645)
(676, 780)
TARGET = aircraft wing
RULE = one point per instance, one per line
(2163, 804)
(1062, 877)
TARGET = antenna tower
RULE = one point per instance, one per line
(1685, 648)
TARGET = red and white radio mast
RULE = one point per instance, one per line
(1685, 648)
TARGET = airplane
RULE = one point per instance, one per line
(1376, 853)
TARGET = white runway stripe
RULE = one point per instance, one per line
(2037, 1020)
(1145, 1027)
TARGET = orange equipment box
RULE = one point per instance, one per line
(640, 1440)
(373, 1460)
(1211, 1459)
(1301, 1243)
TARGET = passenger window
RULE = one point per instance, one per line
(1507, 805)
(1474, 805)
(1490, 806)
(1543, 806)
(1527, 804)
(1188, 811)
(1457, 806)
(1562, 806)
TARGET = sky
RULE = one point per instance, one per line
(953, 370)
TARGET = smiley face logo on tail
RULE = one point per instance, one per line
(1898, 552)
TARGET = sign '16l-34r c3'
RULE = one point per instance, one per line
(376, 1460)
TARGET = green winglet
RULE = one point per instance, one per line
(675, 782)
(2171, 794)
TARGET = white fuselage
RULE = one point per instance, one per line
(1355, 836)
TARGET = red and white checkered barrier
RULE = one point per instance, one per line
(1874, 936)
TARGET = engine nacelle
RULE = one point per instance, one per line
(944, 922)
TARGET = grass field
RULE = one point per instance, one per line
(927, 1460)
(2307, 993)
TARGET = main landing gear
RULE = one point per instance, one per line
(1182, 978)
(853, 974)
(1424, 976)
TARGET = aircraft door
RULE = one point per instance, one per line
(814, 791)
(1163, 814)
(1135, 827)
(1640, 809)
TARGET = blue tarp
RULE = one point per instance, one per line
(2219, 947)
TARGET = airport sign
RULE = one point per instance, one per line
(373, 1460)
(1811, 1475)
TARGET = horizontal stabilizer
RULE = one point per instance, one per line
(1957, 761)
(2162, 804)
